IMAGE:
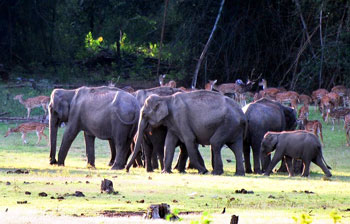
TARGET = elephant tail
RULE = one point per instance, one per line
(326, 164)
(324, 160)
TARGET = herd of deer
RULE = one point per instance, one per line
(333, 105)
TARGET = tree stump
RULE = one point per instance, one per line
(234, 219)
(158, 211)
(107, 186)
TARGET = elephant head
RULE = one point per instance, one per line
(269, 142)
(152, 113)
(58, 113)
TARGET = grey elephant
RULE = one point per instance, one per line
(293, 145)
(104, 112)
(154, 137)
(199, 117)
(262, 116)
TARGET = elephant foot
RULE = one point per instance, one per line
(217, 172)
(239, 174)
(182, 171)
(266, 174)
(117, 167)
(60, 164)
(167, 171)
(258, 172)
(110, 163)
(53, 161)
(203, 172)
(248, 171)
(149, 170)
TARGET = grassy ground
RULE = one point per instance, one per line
(275, 199)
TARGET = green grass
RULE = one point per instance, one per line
(276, 199)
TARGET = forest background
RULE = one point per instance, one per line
(300, 45)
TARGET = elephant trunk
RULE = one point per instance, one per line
(53, 125)
(140, 130)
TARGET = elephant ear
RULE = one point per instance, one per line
(161, 110)
(271, 140)
(60, 105)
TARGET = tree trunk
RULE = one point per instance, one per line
(162, 35)
(322, 51)
(194, 81)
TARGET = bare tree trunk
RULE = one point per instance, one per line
(194, 81)
(322, 51)
(305, 26)
(162, 35)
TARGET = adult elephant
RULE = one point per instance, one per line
(154, 137)
(104, 112)
(199, 117)
(262, 116)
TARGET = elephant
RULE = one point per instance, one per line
(294, 145)
(262, 116)
(198, 117)
(154, 137)
(104, 112)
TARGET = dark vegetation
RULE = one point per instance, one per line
(301, 45)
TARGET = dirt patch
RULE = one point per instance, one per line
(112, 213)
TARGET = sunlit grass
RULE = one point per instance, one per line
(275, 199)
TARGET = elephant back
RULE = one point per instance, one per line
(126, 107)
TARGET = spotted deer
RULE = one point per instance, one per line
(268, 92)
(317, 96)
(29, 127)
(342, 92)
(305, 99)
(337, 114)
(347, 128)
(303, 112)
(291, 97)
(313, 126)
(171, 83)
(34, 102)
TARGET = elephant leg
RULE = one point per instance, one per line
(237, 149)
(283, 168)
(195, 158)
(276, 158)
(289, 164)
(68, 137)
(182, 159)
(257, 156)
(306, 171)
(216, 159)
(318, 161)
(169, 151)
(148, 150)
(160, 152)
(122, 146)
(90, 149)
(155, 164)
(113, 151)
(246, 151)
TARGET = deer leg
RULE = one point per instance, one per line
(24, 138)
(42, 133)
(38, 133)
(28, 112)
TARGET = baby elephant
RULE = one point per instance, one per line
(294, 145)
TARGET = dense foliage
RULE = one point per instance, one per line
(297, 44)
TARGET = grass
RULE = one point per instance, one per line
(276, 199)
